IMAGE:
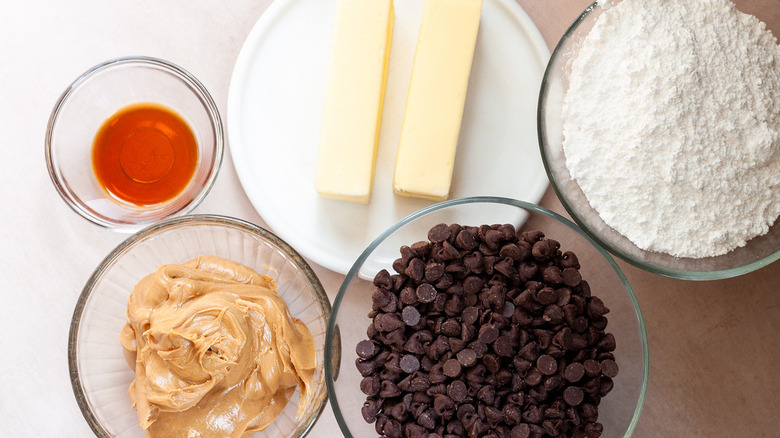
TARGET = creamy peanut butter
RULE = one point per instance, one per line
(215, 350)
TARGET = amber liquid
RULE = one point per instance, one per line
(144, 154)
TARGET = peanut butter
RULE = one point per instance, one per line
(215, 350)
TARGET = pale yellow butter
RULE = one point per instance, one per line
(357, 75)
(437, 94)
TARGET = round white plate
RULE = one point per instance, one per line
(275, 105)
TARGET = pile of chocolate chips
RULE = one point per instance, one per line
(484, 333)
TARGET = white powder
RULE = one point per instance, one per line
(672, 124)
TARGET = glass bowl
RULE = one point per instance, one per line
(759, 251)
(99, 373)
(97, 95)
(618, 411)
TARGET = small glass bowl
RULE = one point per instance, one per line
(99, 373)
(759, 251)
(619, 410)
(97, 95)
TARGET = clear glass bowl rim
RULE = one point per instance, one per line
(195, 85)
(668, 272)
(157, 228)
(330, 334)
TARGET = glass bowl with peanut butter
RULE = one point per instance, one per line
(200, 326)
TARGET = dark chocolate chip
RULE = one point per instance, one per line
(370, 385)
(520, 431)
(592, 367)
(366, 349)
(457, 391)
(487, 334)
(434, 271)
(547, 365)
(467, 357)
(370, 409)
(409, 363)
(439, 233)
(574, 372)
(546, 296)
(389, 389)
(503, 346)
(452, 368)
(571, 277)
(426, 293)
(410, 315)
(609, 368)
(573, 395)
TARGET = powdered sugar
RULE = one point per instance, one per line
(672, 124)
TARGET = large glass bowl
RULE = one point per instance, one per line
(758, 252)
(99, 373)
(619, 410)
(92, 99)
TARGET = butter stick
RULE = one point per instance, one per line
(437, 94)
(357, 75)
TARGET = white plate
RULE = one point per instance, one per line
(275, 106)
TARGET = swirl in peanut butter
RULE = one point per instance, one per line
(215, 350)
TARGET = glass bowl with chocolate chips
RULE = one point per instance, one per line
(486, 317)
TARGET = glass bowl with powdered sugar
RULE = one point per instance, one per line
(659, 127)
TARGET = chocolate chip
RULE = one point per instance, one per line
(389, 389)
(465, 240)
(387, 322)
(470, 315)
(452, 368)
(503, 346)
(569, 260)
(552, 275)
(410, 315)
(546, 296)
(574, 372)
(451, 327)
(609, 368)
(467, 357)
(366, 349)
(571, 277)
(409, 363)
(370, 409)
(426, 293)
(547, 365)
(487, 334)
(596, 308)
(370, 385)
(439, 233)
(573, 395)
(607, 343)
(543, 250)
(457, 391)
(534, 377)
(505, 267)
(592, 367)
(427, 420)
(487, 394)
(521, 431)
(365, 367)
(447, 252)
(553, 314)
(472, 284)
